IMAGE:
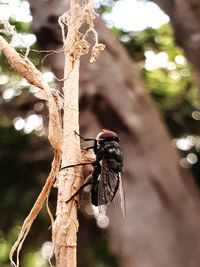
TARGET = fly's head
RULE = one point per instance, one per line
(107, 135)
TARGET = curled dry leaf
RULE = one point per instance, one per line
(55, 127)
(96, 50)
(80, 48)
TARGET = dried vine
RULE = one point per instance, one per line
(27, 70)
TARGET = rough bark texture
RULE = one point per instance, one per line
(185, 19)
(163, 216)
(66, 224)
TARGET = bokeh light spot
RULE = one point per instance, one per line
(192, 158)
(47, 250)
(102, 221)
(19, 123)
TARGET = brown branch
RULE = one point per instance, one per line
(23, 66)
(27, 70)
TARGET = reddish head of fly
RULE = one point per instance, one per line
(106, 135)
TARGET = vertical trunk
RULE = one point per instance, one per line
(66, 224)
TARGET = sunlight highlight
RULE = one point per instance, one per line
(47, 250)
(154, 61)
(8, 94)
(19, 123)
(102, 219)
(192, 158)
(48, 76)
(23, 40)
(4, 79)
(132, 15)
(31, 123)
(196, 115)
(183, 144)
(18, 10)
(179, 59)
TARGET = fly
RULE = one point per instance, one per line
(106, 178)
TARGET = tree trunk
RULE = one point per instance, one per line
(163, 216)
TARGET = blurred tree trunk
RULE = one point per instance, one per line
(185, 19)
(163, 215)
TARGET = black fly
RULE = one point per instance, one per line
(106, 178)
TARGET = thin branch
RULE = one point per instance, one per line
(35, 209)
(27, 70)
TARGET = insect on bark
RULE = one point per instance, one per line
(106, 177)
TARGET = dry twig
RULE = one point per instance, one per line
(27, 70)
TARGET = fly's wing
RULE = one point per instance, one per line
(122, 196)
(108, 185)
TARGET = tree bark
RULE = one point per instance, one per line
(163, 216)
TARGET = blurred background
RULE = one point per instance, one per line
(145, 86)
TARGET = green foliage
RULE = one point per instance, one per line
(34, 258)
(20, 27)
(166, 74)
(168, 78)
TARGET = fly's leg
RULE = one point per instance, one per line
(94, 147)
(85, 139)
(90, 181)
(78, 164)
(95, 163)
